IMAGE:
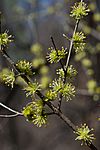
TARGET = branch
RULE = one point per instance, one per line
(68, 59)
(49, 114)
(10, 109)
(71, 47)
(49, 104)
(16, 113)
(10, 116)
(52, 39)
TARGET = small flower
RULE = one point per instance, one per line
(40, 120)
(60, 72)
(79, 10)
(83, 134)
(68, 91)
(24, 67)
(5, 39)
(28, 112)
(56, 55)
(38, 106)
(32, 88)
(8, 77)
(78, 42)
(51, 95)
(71, 72)
(57, 85)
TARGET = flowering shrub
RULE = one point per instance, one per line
(60, 88)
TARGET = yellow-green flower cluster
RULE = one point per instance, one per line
(56, 55)
(8, 77)
(32, 88)
(83, 134)
(79, 10)
(24, 67)
(5, 39)
(78, 42)
(67, 90)
(28, 112)
(57, 85)
(71, 72)
(51, 95)
(60, 72)
(34, 112)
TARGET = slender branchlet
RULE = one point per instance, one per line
(53, 42)
(68, 60)
(16, 113)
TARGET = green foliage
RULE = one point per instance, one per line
(56, 55)
(79, 10)
(84, 135)
(8, 77)
(79, 43)
(32, 88)
(5, 39)
(24, 67)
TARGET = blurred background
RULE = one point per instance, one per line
(32, 23)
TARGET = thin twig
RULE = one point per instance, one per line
(71, 47)
(60, 97)
(68, 59)
(10, 109)
(53, 42)
(54, 45)
(49, 114)
(10, 116)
